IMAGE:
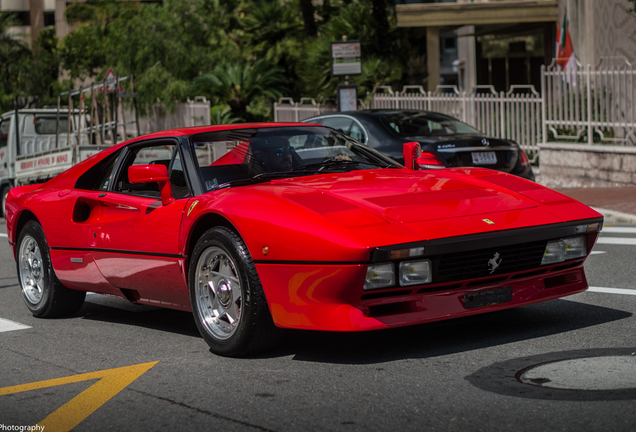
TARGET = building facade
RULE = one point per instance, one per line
(601, 30)
(505, 42)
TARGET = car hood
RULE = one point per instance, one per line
(433, 204)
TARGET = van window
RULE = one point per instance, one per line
(37, 124)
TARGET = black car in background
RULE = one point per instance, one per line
(445, 141)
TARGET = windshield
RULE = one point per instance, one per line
(246, 156)
(415, 123)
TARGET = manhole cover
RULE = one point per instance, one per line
(593, 373)
(581, 375)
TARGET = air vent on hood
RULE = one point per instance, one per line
(321, 203)
(511, 182)
(428, 197)
(336, 209)
(529, 189)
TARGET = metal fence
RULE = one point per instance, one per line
(592, 104)
(514, 115)
(588, 105)
(186, 114)
(286, 110)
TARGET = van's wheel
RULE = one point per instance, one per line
(227, 299)
(3, 196)
(43, 293)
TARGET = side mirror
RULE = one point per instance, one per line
(411, 151)
(153, 173)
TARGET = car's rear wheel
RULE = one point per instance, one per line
(43, 293)
(227, 299)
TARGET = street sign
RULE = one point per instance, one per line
(348, 97)
(345, 58)
(111, 82)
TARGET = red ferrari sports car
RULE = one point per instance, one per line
(259, 227)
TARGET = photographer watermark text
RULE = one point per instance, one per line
(36, 428)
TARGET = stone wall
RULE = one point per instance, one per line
(578, 165)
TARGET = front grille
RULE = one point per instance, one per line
(474, 264)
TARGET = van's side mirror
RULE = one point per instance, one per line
(411, 151)
(153, 173)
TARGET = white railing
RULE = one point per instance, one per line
(592, 103)
(286, 110)
(514, 115)
(190, 113)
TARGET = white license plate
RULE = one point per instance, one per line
(484, 158)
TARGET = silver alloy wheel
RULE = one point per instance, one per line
(219, 298)
(31, 271)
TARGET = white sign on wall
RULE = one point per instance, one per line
(345, 58)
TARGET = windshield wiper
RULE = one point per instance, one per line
(331, 162)
(318, 166)
(258, 178)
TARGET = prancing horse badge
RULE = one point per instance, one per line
(494, 262)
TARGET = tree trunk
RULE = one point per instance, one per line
(382, 26)
(311, 30)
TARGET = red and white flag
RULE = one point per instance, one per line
(565, 53)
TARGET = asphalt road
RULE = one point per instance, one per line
(115, 366)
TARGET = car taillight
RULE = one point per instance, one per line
(429, 161)
(524, 159)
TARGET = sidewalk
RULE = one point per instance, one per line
(618, 205)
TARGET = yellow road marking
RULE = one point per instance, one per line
(72, 413)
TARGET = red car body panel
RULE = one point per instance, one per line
(319, 298)
(310, 237)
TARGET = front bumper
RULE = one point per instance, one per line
(330, 297)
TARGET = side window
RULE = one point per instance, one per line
(357, 133)
(177, 179)
(99, 177)
(341, 124)
(149, 155)
(105, 177)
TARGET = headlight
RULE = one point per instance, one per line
(415, 273)
(574, 247)
(564, 249)
(379, 276)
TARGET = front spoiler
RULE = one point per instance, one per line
(331, 297)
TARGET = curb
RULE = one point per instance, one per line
(614, 217)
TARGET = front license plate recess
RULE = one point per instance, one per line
(488, 298)
(484, 158)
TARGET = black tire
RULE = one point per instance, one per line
(227, 299)
(43, 293)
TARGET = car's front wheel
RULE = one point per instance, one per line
(43, 293)
(227, 299)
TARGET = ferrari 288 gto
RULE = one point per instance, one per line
(255, 228)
